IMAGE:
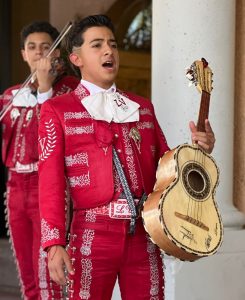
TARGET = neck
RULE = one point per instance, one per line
(203, 111)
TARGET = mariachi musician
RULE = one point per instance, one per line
(20, 154)
(107, 143)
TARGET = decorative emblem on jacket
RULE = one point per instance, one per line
(48, 143)
(14, 114)
(29, 115)
(135, 135)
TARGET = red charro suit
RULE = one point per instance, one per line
(20, 147)
(74, 144)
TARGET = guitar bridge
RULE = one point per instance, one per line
(192, 221)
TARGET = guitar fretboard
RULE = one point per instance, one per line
(204, 111)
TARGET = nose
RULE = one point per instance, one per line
(108, 50)
(41, 51)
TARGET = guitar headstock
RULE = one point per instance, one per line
(200, 75)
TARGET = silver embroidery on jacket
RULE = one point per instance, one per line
(88, 236)
(145, 111)
(76, 115)
(81, 92)
(130, 159)
(18, 133)
(77, 159)
(86, 277)
(42, 274)
(48, 234)
(81, 181)
(48, 143)
(154, 275)
(145, 125)
(90, 215)
(79, 130)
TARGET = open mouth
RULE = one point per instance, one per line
(108, 64)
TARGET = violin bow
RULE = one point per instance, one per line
(62, 34)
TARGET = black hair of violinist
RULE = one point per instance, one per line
(38, 26)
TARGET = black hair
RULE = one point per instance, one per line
(37, 26)
(75, 36)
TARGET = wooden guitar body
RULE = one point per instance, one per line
(181, 215)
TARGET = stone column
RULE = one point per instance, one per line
(185, 31)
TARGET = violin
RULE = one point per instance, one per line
(56, 67)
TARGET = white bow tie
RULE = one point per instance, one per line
(111, 107)
(24, 98)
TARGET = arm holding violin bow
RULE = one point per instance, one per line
(48, 71)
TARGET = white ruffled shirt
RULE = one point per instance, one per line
(109, 105)
(25, 98)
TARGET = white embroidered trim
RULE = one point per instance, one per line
(80, 92)
(132, 172)
(77, 159)
(44, 294)
(88, 236)
(145, 111)
(9, 233)
(79, 130)
(48, 234)
(76, 115)
(18, 132)
(145, 125)
(154, 275)
(130, 159)
(86, 278)
(42, 272)
(22, 149)
(90, 216)
(48, 147)
(79, 180)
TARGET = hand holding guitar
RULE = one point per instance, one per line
(205, 140)
(181, 214)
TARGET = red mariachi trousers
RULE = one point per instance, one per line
(102, 251)
(24, 228)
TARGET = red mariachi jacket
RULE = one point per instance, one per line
(20, 126)
(73, 144)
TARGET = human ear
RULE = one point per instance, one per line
(75, 59)
(23, 53)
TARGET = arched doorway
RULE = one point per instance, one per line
(132, 20)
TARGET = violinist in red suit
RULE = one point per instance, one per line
(106, 144)
(20, 156)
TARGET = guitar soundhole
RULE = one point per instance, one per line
(196, 181)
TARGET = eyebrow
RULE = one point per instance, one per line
(101, 40)
(34, 43)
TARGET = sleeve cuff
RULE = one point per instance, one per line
(42, 97)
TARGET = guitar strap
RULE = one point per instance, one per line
(126, 190)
